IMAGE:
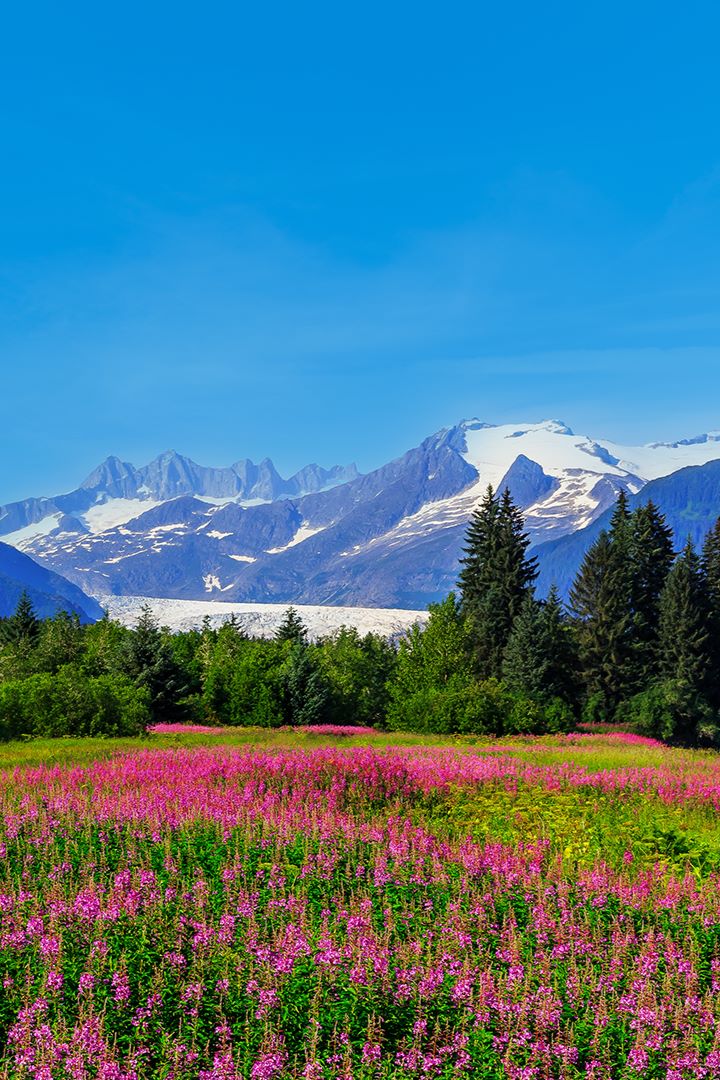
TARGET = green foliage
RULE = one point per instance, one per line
(103, 646)
(495, 579)
(358, 671)
(470, 709)
(243, 683)
(671, 711)
(59, 642)
(70, 703)
(434, 664)
(540, 658)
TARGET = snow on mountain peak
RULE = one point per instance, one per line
(492, 449)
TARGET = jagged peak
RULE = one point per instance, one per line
(112, 468)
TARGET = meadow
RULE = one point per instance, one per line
(217, 904)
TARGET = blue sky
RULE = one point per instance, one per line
(321, 232)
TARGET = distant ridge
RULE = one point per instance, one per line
(48, 591)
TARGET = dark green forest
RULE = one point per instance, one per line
(637, 645)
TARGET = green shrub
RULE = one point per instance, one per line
(670, 711)
(70, 703)
(477, 708)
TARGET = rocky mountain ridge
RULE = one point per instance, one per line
(389, 538)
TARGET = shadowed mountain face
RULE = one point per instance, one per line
(689, 499)
(390, 538)
(48, 591)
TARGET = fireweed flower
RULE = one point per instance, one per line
(230, 914)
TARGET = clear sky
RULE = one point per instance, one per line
(323, 231)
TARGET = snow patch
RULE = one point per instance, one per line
(20, 537)
(303, 533)
(114, 512)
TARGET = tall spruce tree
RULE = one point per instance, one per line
(23, 626)
(685, 655)
(600, 601)
(621, 520)
(651, 556)
(711, 564)
(495, 579)
(148, 659)
(305, 691)
(711, 575)
(540, 659)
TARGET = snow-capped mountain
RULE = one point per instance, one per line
(116, 491)
(389, 538)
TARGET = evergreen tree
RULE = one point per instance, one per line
(652, 555)
(540, 659)
(711, 565)
(620, 522)
(305, 691)
(292, 628)
(711, 574)
(23, 627)
(600, 600)
(684, 643)
(495, 579)
(677, 708)
(621, 540)
(148, 660)
(481, 541)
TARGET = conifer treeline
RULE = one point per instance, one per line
(639, 645)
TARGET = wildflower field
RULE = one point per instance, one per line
(221, 906)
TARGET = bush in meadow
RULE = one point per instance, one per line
(449, 710)
(69, 703)
(672, 712)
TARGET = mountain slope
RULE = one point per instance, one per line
(48, 591)
(689, 498)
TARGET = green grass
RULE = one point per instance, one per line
(29, 753)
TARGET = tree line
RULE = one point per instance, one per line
(638, 644)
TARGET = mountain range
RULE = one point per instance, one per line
(389, 538)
